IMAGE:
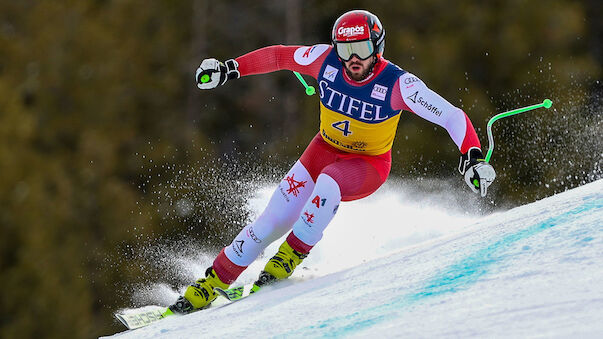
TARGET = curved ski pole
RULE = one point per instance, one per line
(309, 89)
(546, 104)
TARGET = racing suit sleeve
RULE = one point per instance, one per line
(411, 94)
(303, 59)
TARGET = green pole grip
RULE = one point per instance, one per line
(309, 89)
(546, 104)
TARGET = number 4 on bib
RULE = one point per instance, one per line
(346, 127)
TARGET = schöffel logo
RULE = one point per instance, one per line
(237, 247)
(350, 31)
(239, 244)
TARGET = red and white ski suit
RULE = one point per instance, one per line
(350, 157)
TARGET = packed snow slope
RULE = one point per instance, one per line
(532, 271)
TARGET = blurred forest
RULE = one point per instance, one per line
(106, 144)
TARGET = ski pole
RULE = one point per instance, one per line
(546, 104)
(309, 89)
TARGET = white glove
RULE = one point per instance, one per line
(478, 173)
(213, 73)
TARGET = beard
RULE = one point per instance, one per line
(359, 76)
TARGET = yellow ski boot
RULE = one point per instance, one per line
(200, 294)
(281, 265)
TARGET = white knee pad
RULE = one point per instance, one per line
(277, 219)
(318, 211)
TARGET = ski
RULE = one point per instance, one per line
(237, 293)
(143, 316)
(146, 315)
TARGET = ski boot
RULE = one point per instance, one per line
(200, 294)
(281, 265)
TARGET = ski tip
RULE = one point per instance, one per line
(121, 319)
(136, 318)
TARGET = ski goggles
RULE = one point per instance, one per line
(362, 49)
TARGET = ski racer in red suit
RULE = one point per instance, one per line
(361, 97)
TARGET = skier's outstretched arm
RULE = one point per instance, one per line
(411, 94)
(303, 59)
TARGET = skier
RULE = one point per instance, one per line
(361, 98)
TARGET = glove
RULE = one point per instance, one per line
(213, 73)
(478, 173)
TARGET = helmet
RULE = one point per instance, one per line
(358, 32)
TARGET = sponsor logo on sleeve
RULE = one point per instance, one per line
(410, 80)
(306, 55)
(416, 98)
(413, 97)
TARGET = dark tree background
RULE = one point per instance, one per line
(106, 144)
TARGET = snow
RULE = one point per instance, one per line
(427, 269)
